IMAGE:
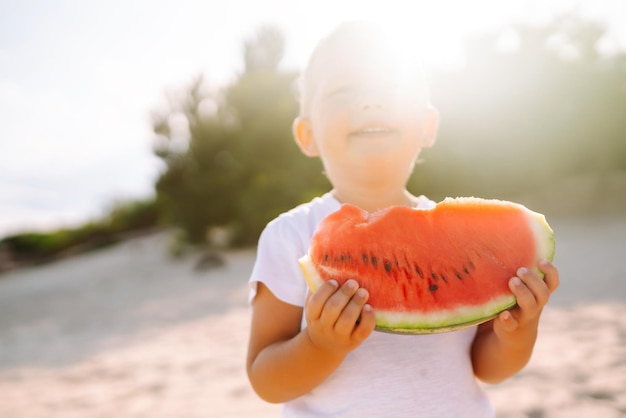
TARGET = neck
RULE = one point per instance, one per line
(372, 200)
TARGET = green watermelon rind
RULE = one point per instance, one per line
(463, 317)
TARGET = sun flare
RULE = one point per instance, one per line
(432, 34)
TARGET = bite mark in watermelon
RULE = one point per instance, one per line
(430, 270)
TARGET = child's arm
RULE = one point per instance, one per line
(502, 347)
(284, 362)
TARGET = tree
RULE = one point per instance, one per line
(239, 166)
(519, 120)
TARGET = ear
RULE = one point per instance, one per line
(430, 127)
(303, 134)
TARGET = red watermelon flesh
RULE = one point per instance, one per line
(430, 270)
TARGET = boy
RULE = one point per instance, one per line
(367, 120)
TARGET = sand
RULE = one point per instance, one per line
(129, 332)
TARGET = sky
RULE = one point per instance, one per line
(78, 80)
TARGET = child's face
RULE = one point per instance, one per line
(366, 112)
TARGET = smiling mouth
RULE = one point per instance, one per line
(373, 131)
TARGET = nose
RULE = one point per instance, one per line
(373, 98)
(372, 105)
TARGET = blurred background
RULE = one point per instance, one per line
(125, 115)
(120, 120)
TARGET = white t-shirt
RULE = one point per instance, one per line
(388, 375)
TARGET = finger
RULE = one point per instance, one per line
(536, 285)
(366, 324)
(506, 322)
(315, 302)
(525, 298)
(349, 316)
(551, 274)
(337, 302)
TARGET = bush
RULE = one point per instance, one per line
(122, 218)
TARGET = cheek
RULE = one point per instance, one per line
(414, 124)
(330, 122)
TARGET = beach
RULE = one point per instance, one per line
(129, 331)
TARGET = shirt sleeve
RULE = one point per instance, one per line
(276, 265)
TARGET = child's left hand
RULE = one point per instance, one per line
(532, 293)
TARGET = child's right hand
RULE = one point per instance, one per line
(338, 319)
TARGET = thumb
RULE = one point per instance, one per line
(506, 322)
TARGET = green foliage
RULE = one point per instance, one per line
(135, 215)
(522, 120)
(241, 166)
(122, 218)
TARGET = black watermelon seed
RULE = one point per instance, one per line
(374, 261)
(443, 277)
(459, 276)
(365, 258)
(466, 270)
(419, 272)
(326, 257)
(433, 287)
(387, 266)
(433, 275)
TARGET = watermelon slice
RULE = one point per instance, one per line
(430, 270)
